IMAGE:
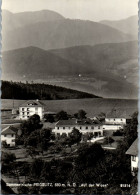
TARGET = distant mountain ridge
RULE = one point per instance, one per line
(105, 64)
(91, 56)
(128, 25)
(11, 21)
(49, 30)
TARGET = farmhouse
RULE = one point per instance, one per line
(8, 135)
(84, 126)
(133, 151)
(115, 120)
(30, 108)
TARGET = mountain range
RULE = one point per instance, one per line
(128, 25)
(96, 57)
(50, 30)
(113, 66)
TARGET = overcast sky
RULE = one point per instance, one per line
(81, 9)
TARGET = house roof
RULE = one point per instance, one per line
(8, 130)
(72, 122)
(117, 114)
(33, 103)
(133, 150)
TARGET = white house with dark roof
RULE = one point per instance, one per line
(84, 126)
(115, 120)
(133, 151)
(8, 135)
(30, 108)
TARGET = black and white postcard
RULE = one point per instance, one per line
(69, 101)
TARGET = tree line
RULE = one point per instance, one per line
(19, 90)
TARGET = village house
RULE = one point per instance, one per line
(115, 120)
(8, 135)
(84, 126)
(30, 108)
(133, 151)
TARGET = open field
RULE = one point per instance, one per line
(92, 106)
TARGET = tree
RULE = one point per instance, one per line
(108, 140)
(118, 133)
(134, 185)
(35, 119)
(32, 124)
(33, 139)
(23, 190)
(49, 118)
(87, 136)
(81, 114)
(7, 158)
(75, 136)
(36, 168)
(31, 152)
(131, 130)
(45, 137)
(25, 169)
(9, 164)
(39, 139)
(4, 144)
(62, 115)
(89, 155)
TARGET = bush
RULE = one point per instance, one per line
(19, 140)
(108, 140)
(4, 144)
(7, 157)
(118, 133)
(23, 190)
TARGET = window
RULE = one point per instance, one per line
(86, 127)
(23, 113)
(98, 127)
(134, 169)
(121, 119)
(69, 127)
(114, 119)
(27, 109)
(92, 127)
(63, 127)
(12, 135)
(80, 127)
(27, 113)
(22, 109)
(133, 158)
(57, 127)
(13, 140)
(4, 135)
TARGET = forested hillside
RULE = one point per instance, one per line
(18, 90)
